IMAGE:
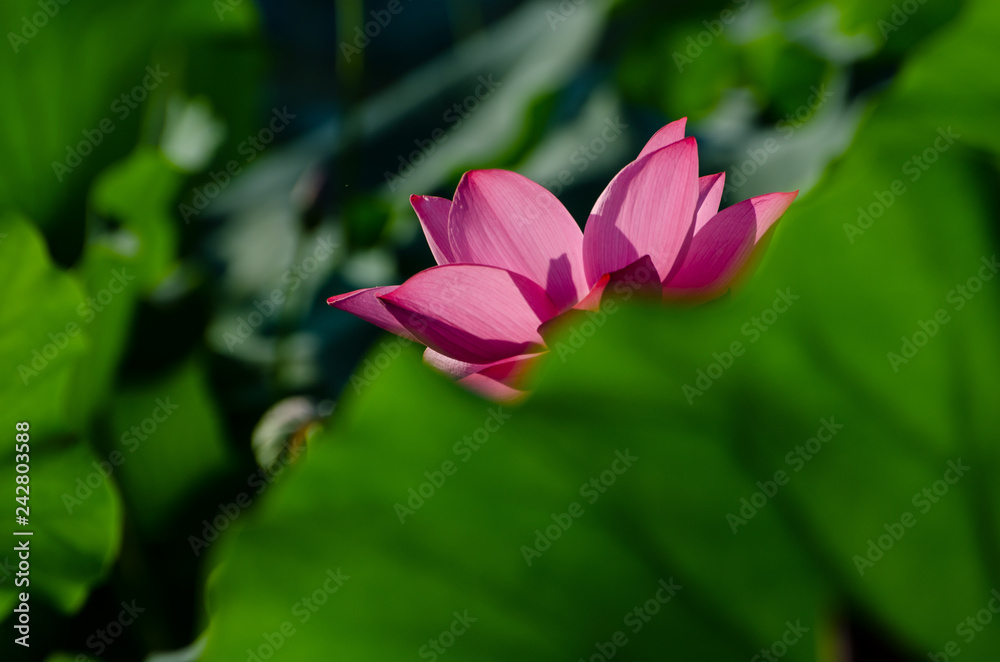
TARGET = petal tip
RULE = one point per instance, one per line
(336, 299)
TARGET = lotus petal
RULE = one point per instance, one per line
(505, 220)
(472, 313)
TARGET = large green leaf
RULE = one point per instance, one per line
(41, 337)
(75, 516)
(464, 548)
(41, 334)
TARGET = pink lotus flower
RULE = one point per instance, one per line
(511, 258)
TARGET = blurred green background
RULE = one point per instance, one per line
(223, 468)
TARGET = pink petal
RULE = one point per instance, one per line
(497, 381)
(505, 220)
(710, 188)
(452, 367)
(514, 371)
(492, 389)
(433, 214)
(502, 380)
(592, 301)
(720, 249)
(647, 209)
(366, 305)
(639, 277)
(668, 135)
(769, 208)
(510, 371)
(472, 313)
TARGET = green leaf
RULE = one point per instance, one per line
(79, 124)
(138, 193)
(463, 549)
(76, 519)
(67, 657)
(41, 335)
(41, 341)
(130, 248)
(168, 442)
